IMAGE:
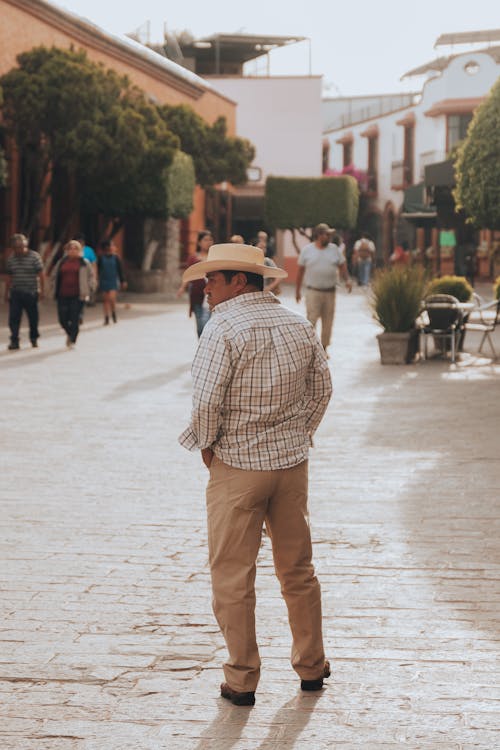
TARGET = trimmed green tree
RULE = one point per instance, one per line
(477, 165)
(216, 156)
(299, 203)
(125, 172)
(181, 182)
(87, 128)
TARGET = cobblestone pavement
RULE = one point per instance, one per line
(107, 639)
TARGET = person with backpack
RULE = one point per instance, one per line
(364, 253)
(111, 278)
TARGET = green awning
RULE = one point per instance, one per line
(440, 174)
(414, 205)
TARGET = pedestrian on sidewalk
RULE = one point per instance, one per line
(320, 264)
(197, 302)
(261, 388)
(73, 285)
(271, 285)
(88, 253)
(23, 287)
(364, 253)
(400, 255)
(111, 278)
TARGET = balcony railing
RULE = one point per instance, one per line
(382, 106)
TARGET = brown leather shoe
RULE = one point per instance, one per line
(237, 699)
(316, 684)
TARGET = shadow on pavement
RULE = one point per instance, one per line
(430, 426)
(285, 727)
(10, 360)
(227, 727)
(289, 722)
(149, 383)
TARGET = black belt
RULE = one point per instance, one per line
(315, 289)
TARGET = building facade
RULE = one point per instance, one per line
(280, 115)
(30, 23)
(397, 142)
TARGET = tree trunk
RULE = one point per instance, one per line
(43, 189)
(173, 258)
(294, 240)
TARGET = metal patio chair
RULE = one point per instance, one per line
(443, 320)
(484, 319)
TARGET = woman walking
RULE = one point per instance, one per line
(197, 302)
(74, 283)
(111, 278)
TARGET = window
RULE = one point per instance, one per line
(372, 164)
(254, 174)
(347, 154)
(409, 140)
(471, 68)
(457, 128)
(325, 157)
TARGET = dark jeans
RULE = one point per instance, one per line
(202, 314)
(18, 302)
(69, 310)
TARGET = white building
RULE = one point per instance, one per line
(394, 138)
(280, 115)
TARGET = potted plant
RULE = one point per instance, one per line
(396, 302)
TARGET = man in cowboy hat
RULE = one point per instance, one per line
(261, 387)
(319, 266)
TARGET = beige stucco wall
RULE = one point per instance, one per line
(25, 25)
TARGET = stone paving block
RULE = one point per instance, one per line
(108, 641)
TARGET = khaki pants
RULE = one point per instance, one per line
(238, 504)
(321, 305)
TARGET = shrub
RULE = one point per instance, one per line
(181, 183)
(298, 202)
(397, 297)
(496, 288)
(457, 286)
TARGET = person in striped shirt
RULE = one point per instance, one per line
(24, 284)
(261, 387)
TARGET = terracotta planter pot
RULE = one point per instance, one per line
(398, 348)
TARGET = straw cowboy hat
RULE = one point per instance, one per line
(232, 256)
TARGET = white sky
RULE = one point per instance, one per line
(358, 46)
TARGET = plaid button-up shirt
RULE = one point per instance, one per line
(261, 385)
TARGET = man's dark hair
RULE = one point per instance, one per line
(18, 239)
(253, 279)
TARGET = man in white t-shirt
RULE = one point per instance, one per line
(320, 265)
